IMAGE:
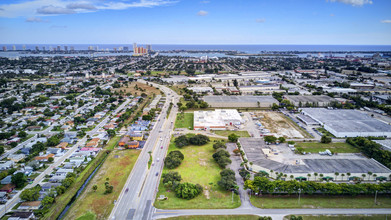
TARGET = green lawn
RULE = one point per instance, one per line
(338, 147)
(198, 167)
(113, 142)
(117, 168)
(344, 217)
(325, 132)
(226, 133)
(215, 217)
(319, 201)
(185, 120)
(87, 216)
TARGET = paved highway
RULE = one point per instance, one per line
(142, 182)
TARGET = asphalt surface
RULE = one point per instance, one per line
(142, 183)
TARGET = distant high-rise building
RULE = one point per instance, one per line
(36, 48)
(149, 47)
(91, 48)
(4, 48)
(13, 48)
(72, 48)
(44, 48)
(24, 47)
(138, 51)
(120, 48)
(59, 48)
(66, 48)
(126, 48)
(97, 48)
(115, 49)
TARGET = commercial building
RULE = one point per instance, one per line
(138, 51)
(261, 89)
(274, 158)
(348, 123)
(201, 89)
(218, 119)
(240, 101)
(313, 100)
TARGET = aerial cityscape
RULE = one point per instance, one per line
(178, 110)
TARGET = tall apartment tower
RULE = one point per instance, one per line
(13, 47)
(149, 48)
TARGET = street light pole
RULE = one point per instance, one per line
(299, 195)
(375, 197)
(232, 196)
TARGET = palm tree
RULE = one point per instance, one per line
(309, 175)
(271, 173)
(348, 174)
(285, 176)
(369, 175)
(291, 177)
(315, 174)
(336, 174)
(321, 175)
(363, 176)
(342, 175)
(374, 176)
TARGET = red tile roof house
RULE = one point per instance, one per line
(44, 158)
(7, 188)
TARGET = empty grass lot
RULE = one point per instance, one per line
(185, 120)
(318, 201)
(338, 147)
(216, 217)
(343, 217)
(198, 167)
(117, 168)
(226, 133)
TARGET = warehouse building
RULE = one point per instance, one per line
(240, 101)
(348, 123)
(273, 159)
(313, 100)
(218, 119)
(201, 89)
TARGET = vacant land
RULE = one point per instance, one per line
(216, 217)
(226, 133)
(318, 201)
(116, 168)
(338, 147)
(325, 132)
(280, 125)
(113, 142)
(342, 217)
(143, 88)
(178, 89)
(198, 167)
(185, 120)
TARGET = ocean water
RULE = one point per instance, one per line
(241, 48)
(300, 50)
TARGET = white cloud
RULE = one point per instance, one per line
(386, 21)
(260, 20)
(202, 13)
(353, 2)
(56, 7)
(204, 2)
(36, 19)
(53, 10)
(86, 6)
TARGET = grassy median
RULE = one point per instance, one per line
(342, 217)
(337, 147)
(116, 168)
(319, 201)
(198, 167)
(227, 133)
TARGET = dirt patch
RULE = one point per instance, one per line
(206, 193)
(142, 88)
(202, 162)
(278, 124)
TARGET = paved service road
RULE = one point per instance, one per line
(142, 182)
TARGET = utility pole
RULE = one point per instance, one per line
(299, 195)
(375, 197)
(232, 196)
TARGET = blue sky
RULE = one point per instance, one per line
(353, 22)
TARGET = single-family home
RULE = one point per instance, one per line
(44, 158)
(63, 172)
(7, 188)
(6, 180)
(26, 150)
(16, 157)
(62, 145)
(48, 186)
(34, 205)
(94, 142)
(56, 151)
(136, 136)
(6, 165)
(22, 216)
